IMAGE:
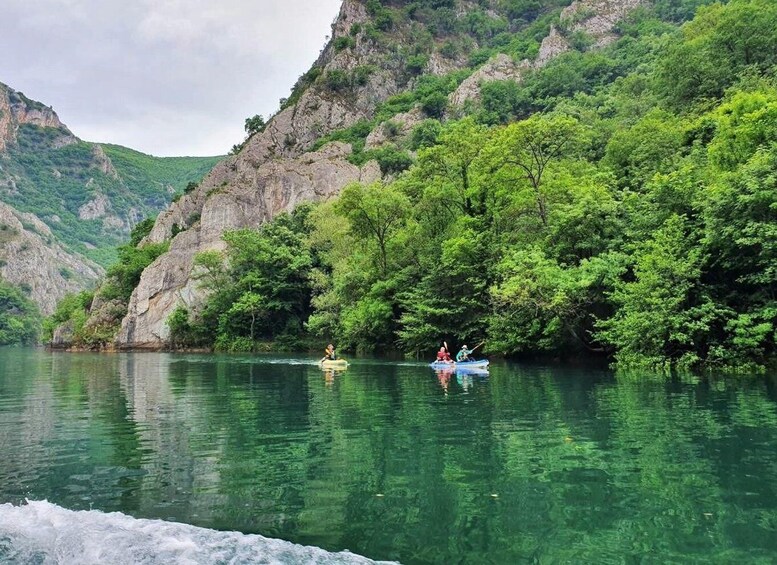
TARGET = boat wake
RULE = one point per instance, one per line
(41, 532)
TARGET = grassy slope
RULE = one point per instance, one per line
(54, 182)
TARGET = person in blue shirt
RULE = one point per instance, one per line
(463, 354)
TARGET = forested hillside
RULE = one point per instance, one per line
(91, 195)
(617, 199)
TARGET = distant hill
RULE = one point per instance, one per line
(90, 195)
(66, 204)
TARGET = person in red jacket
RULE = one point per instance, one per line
(443, 356)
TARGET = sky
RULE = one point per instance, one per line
(166, 77)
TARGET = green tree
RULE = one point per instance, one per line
(249, 305)
(664, 315)
(720, 43)
(446, 169)
(375, 212)
(181, 331)
(647, 147)
(125, 274)
(743, 124)
(255, 125)
(450, 300)
(528, 148)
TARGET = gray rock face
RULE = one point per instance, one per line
(552, 46)
(597, 18)
(63, 335)
(500, 67)
(95, 208)
(16, 109)
(31, 258)
(405, 123)
(103, 162)
(276, 186)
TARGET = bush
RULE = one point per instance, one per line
(434, 105)
(392, 161)
(72, 308)
(131, 264)
(344, 42)
(361, 74)
(19, 317)
(450, 49)
(416, 64)
(336, 80)
(425, 134)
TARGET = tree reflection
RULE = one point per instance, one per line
(532, 464)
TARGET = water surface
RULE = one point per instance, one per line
(529, 464)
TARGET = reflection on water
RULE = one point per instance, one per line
(396, 461)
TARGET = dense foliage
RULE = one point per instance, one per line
(71, 316)
(19, 317)
(260, 288)
(93, 319)
(621, 201)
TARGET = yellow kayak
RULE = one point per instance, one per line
(338, 364)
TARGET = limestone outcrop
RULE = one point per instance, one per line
(500, 67)
(276, 186)
(596, 18)
(16, 109)
(31, 259)
(403, 124)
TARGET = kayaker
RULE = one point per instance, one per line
(443, 356)
(463, 354)
(331, 355)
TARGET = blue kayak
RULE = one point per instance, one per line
(462, 365)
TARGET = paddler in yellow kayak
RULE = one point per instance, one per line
(331, 354)
(331, 359)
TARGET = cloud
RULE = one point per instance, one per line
(168, 77)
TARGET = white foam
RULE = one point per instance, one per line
(44, 533)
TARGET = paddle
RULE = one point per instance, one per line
(473, 350)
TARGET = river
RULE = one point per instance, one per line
(163, 458)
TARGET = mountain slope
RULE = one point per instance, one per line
(397, 62)
(89, 195)
(32, 260)
(66, 204)
(614, 193)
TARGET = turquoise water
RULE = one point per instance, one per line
(528, 464)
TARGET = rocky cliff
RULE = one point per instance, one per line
(595, 18)
(270, 175)
(17, 110)
(273, 173)
(31, 259)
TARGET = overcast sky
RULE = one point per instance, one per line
(167, 77)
